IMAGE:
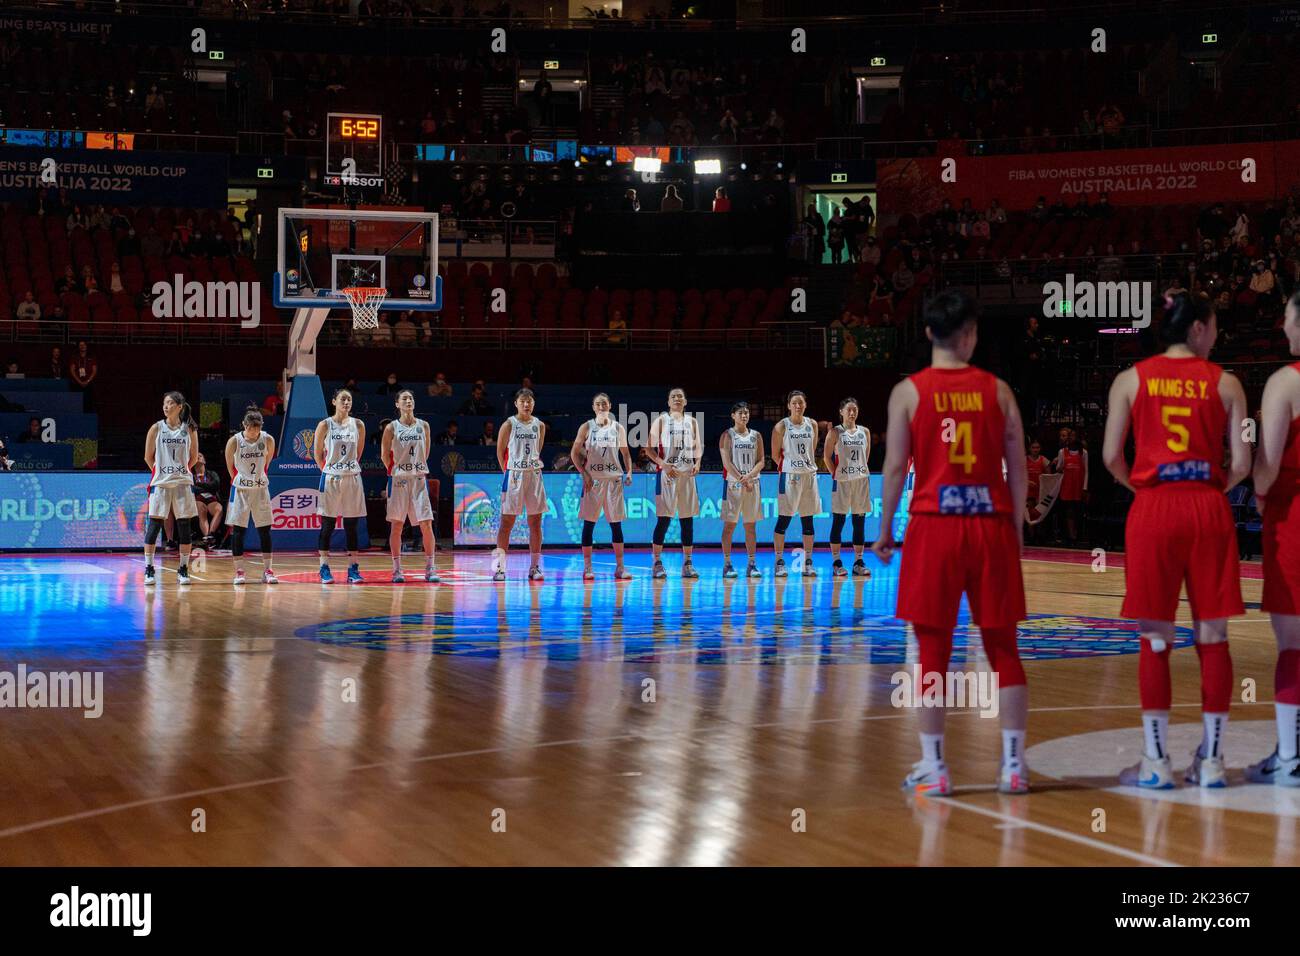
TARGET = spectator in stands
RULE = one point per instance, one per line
(720, 201)
(77, 219)
(115, 278)
(1059, 210)
(33, 433)
(643, 461)
(391, 385)
(617, 328)
(996, 214)
(56, 362)
(1039, 213)
(1213, 224)
(774, 125)
(979, 228)
(440, 387)
(88, 281)
(1081, 208)
(1087, 125)
(671, 201)
(381, 334)
(118, 221)
(630, 203)
(1263, 283)
(83, 370)
(29, 310)
(66, 282)
(543, 99)
(477, 403)
(152, 245)
(1111, 120)
(449, 435)
(128, 245)
(489, 436)
(273, 404)
(870, 251)
(12, 371)
(681, 132)
(207, 495)
(154, 101)
(405, 332)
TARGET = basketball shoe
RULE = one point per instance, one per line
(1149, 774)
(1273, 769)
(1013, 777)
(929, 778)
(1208, 772)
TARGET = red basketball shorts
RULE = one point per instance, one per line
(1282, 555)
(1175, 536)
(946, 555)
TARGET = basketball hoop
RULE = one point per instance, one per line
(365, 302)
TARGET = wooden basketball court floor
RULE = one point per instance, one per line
(474, 723)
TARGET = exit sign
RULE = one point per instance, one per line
(550, 64)
(264, 172)
(839, 177)
(877, 61)
(216, 54)
(1209, 38)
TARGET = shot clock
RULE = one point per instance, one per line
(358, 138)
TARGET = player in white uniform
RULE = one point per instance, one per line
(601, 454)
(337, 449)
(248, 453)
(171, 451)
(795, 440)
(742, 462)
(519, 453)
(404, 450)
(675, 447)
(848, 445)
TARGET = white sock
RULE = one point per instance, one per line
(1013, 745)
(1155, 732)
(1288, 731)
(324, 560)
(397, 564)
(1212, 742)
(932, 748)
(498, 559)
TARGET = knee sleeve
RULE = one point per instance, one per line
(809, 528)
(1216, 677)
(588, 533)
(859, 529)
(1004, 657)
(183, 530)
(237, 541)
(350, 531)
(782, 523)
(935, 647)
(688, 531)
(1154, 687)
(616, 531)
(264, 535)
(837, 528)
(155, 528)
(326, 532)
(661, 529)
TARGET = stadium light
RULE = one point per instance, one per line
(646, 164)
(744, 166)
(708, 167)
(609, 162)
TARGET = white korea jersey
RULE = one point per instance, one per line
(851, 449)
(523, 453)
(602, 447)
(171, 464)
(250, 461)
(799, 447)
(677, 442)
(341, 448)
(744, 451)
(410, 453)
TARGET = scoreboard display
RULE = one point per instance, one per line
(354, 149)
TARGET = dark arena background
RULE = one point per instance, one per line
(738, 199)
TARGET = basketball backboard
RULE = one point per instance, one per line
(323, 251)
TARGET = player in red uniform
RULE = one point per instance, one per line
(1277, 489)
(958, 423)
(1071, 464)
(1180, 407)
(1036, 465)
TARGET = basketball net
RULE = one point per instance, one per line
(365, 302)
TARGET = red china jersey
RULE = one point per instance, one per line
(1035, 467)
(957, 443)
(1287, 484)
(1178, 423)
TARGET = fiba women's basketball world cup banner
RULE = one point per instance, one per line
(1244, 172)
(478, 511)
(115, 177)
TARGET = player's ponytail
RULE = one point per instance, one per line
(948, 312)
(253, 416)
(187, 414)
(1182, 310)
